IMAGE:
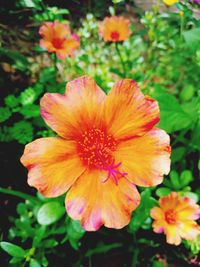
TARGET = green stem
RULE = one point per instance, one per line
(121, 59)
(19, 194)
(181, 25)
(54, 60)
(135, 252)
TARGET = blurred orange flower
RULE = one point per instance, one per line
(176, 218)
(107, 144)
(115, 29)
(57, 38)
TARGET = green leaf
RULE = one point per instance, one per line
(5, 114)
(13, 250)
(192, 37)
(50, 212)
(174, 178)
(102, 248)
(22, 131)
(30, 111)
(185, 178)
(141, 214)
(173, 117)
(163, 191)
(19, 60)
(178, 153)
(34, 263)
(28, 96)
(15, 260)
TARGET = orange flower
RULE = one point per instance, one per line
(107, 144)
(176, 218)
(57, 38)
(115, 29)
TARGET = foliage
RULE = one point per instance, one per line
(163, 56)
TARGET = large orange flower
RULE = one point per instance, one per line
(115, 29)
(107, 144)
(56, 37)
(176, 218)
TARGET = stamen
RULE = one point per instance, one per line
(95, 148)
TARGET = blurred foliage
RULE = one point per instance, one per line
(163, 56)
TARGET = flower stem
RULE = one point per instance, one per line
(19, 194)
(135, 252)
(121, 59)
(54, 60)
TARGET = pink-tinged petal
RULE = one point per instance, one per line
(128, 112)
(146, 159)
(76, 111)
(95, 203)
(158, 226)
(189, 230)
(53, 165)
(157, 213)
(172, 235)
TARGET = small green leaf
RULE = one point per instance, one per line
(142, 212)
(13, 250)
(174, 178)
(178, 153)
(192, 37)
(34, 263)
(163, 191)
(5, 114)
(50, 212)
(185, 178)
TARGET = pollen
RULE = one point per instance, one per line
(95, 147)
(114, 35)
(170, 216)
(57, 43)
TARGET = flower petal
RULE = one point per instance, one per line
(128, 112)
(157, 213)
(96, 203)
(189, 230)
(65, 113)
(145, 159)
(172, 235)
(53, 165)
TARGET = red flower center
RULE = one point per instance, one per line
(114, 35)
(170, 216)
(95, 149)
(57, 43)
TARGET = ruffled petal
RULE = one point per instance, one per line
(46, 31)
(173, 235)
(128, 112)
(189, 230)
(157, 213)
(53, 165)
(61, 30)
(169, 202)
(96, 203)
(158, 226)
(76, 110)
(146, 159)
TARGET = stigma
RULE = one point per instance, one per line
(95, 148)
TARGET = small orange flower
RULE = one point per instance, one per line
(176, 218)
(57, 38)
(115, 29)
(107, 144)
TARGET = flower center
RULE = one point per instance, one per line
(95, 148)
(114, 35)
(57, 43)
(170, 216)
